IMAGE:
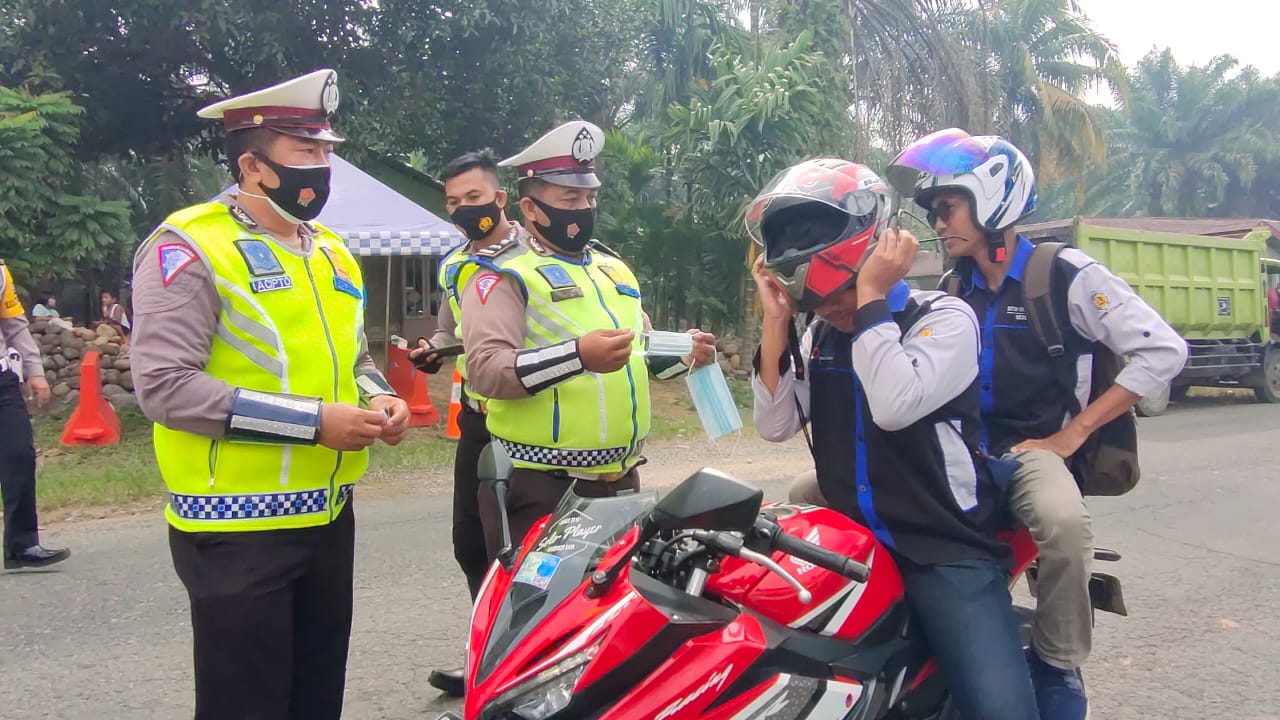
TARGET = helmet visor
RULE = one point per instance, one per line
(946, 152)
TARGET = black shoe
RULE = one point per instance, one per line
(35, 556)
(449, 682)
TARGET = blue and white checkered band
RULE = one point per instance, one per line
(563, 457)
(250, 507)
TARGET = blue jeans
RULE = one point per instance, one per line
(966, 615)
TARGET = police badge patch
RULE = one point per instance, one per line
(259, 257)
(342, 281)
(174, 258)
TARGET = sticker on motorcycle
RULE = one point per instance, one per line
(571, 534)
(537, 570)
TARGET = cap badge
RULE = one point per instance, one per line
(329, 95)
(584, 147)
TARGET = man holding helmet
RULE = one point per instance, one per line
(886, 380)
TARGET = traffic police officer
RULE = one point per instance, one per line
(477, 205)
(19, 357)
(552, 330)
(250, 355)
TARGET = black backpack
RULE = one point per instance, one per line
(1107, 463)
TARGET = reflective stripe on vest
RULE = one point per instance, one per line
(287, 324)
(595, 422)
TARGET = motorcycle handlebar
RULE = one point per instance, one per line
(814, 554)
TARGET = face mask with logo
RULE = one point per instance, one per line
(303, 190)
(570, 230)
(713, 401)
(477, 221)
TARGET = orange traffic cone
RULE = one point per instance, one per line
(94, 422)
(412, 386)
(452, 430)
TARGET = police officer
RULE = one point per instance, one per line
(886, 380)
(477, 205)
(976, 189)
(20, 357)
(249, 354)
(552, 329)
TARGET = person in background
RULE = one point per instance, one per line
(46, 309)
(20, 357)
(113, 313)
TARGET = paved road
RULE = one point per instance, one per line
(107, 636)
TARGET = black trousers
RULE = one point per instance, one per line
(271, 615)
(468, 532)
(535, 493)
(17, 468)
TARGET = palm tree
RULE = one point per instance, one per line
(1193, 142)
(1043, 55)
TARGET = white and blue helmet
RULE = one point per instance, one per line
(996, 176)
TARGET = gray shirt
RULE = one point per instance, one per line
(173, 330)
(15, 334)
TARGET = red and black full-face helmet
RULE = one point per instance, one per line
(817, 222)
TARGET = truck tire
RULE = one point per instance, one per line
(1153, 405)
(1178, 393)
(1267, 388)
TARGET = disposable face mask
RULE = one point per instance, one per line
(668, 344)
(713, 401)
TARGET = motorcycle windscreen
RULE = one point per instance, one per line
(569, 549)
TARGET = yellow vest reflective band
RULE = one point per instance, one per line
(288, 324)
(448, 279)
(592, 422)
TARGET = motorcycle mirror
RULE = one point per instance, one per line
(495, 464)
(709, 500)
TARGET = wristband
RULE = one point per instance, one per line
(273, 418)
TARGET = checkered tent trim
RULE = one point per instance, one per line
(563, 457)
(249, 507)
(401, 243)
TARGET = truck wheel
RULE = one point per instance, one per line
(1178, 393)
(1268, 388)
(1154, 405)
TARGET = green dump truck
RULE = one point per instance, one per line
(1212, 290)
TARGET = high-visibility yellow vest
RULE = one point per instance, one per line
(592, 422)
(448, 279)
(288, 324)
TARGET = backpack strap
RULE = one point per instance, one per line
(950, 283)
(1037, 288)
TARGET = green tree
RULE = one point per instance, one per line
(49, 225)
(1042, 56)
(1193, 141)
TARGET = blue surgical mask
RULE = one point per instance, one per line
(713, 401)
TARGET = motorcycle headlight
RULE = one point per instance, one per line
(546, 693)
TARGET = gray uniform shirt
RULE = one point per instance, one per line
(173, 330)
(15, 335)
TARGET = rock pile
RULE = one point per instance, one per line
(63, 349)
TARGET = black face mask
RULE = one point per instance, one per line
(570, 230)
(302, 193)
(477, 221)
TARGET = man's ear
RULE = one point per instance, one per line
(529, 209)
(501, 199)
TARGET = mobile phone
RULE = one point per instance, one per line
(445, 351)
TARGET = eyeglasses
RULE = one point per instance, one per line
(941, 211)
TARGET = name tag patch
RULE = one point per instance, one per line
(269, 284)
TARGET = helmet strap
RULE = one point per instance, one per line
(996, 250)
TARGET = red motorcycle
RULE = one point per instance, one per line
(703, 605)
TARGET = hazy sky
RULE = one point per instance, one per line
(1196, 30)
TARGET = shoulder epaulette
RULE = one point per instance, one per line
(597, 245)
(494, 251)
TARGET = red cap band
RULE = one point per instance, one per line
(285, 117)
